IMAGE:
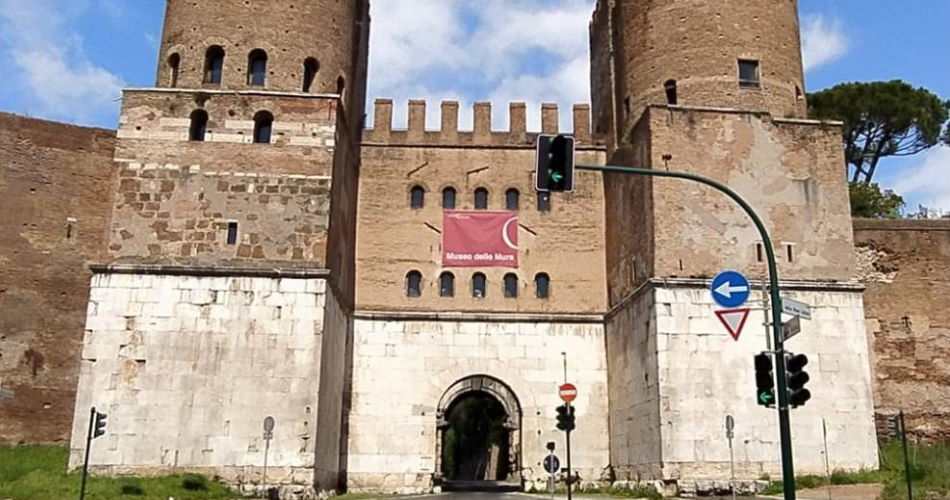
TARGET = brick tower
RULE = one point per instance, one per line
(228, 293)
(716, 88)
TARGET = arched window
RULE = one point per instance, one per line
(263, 127)
(174, 66)
(310, 68)
(257, 68)
(671, 97)
(417, 197)
(511, 286)
(447, 285)
(340, 85)
(214, 64)
(478, 285)
(512, 199)
(544, 202)
(481, 199)
(414, 284)
(199, 125)
(448, 198)
(542, 285)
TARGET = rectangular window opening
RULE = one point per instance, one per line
(759, 252)
(790, 252)
(232, 233)
(749, 74)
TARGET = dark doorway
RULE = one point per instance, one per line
(476, 439)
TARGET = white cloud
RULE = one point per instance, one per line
(927, 182)
(823, 41)
(57, 77)
(499, 50)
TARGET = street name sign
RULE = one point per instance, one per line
(792, 328)
(731, 289)
(796, 308)
(567, 392)
(734, 320)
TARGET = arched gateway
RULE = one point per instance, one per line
(479, 432)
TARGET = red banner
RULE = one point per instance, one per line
(479, 239)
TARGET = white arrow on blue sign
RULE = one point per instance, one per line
(731, 289)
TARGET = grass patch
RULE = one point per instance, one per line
(930, 473)
(39, 473)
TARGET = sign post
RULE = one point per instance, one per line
(730, 435)
(551, 466)
(269, 424)
(568, 393)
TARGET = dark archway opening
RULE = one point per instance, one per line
(476, 439)
(478, 444)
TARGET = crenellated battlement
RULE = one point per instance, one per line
(482, 134)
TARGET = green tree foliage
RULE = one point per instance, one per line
(882, 119)
(869, 201)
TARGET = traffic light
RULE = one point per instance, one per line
(565, 418)
(99, 427)
(797, 378)
(764, 380)
(555, 171)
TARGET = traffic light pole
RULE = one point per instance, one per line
(567, 439)
(85, 464)
(784, 422)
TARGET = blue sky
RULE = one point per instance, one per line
(70, 58)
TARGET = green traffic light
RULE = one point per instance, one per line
(766, 398)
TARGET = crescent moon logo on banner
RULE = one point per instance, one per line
(504, 233)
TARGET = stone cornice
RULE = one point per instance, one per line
(694, 283)
(488, 317)
(211, 271)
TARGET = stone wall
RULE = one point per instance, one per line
(635, 441)
(788, 170)
(55, 191)
(405, 365)
(702, 374)
(188, 366)
(906, 267)
(394, 239)
(167, 214)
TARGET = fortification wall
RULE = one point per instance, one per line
(187, 366)
(905, 266)
(56, 185)
(788, 170)
(395, 441)
(176, 198)
(566, 242)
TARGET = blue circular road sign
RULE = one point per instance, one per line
(731, 289)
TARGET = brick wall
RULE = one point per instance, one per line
(394, 239)
(55, 190)
(906, 268)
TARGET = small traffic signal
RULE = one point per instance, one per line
(764, 380)
(565, 418)
(797, 378)
(99, 427)
(555, 171)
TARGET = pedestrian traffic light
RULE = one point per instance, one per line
(555, 172)
(99, 427)
(764, 380)
(565, 418)
(797, 378)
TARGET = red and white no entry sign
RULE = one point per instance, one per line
(567, 392)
